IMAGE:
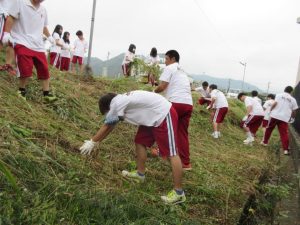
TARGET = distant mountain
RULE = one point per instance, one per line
(224, 83)
(113, 69)
(113, 66)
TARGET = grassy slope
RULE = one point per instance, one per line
(59, 186)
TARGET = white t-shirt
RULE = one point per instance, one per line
(203, 93)
(4, 6)
(179, 88)
(258, 99)
(220, 99)
(285, 105)
(80, 47)
(153, 60)
(128, 58)
(55, 48)
(257, 109)
(29, 24)
(267, 106)
(139, 108)
(66, 53)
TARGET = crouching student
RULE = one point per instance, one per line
(205, 95)
(253, 118)
(220, 105)
(157, 121)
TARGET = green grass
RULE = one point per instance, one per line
(39, 147)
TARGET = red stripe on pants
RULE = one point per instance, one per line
(184, 112)
(283, 131)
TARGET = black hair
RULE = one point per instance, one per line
(132, 48)
(153, 52)
(271, 96)
(213, 86)
(173, 54)
(66, 40)
(289, 89)
(104, 102)
(240, 95)
(254, 93)
(205, 84)
(79, 33)
(58, 29)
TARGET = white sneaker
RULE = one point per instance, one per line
(263, 144)
(249, 141)
(219, 133)
(286, 152)
(215, 135)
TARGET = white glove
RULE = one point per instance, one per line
(51, 40)
(6, 39)
(245, 118)
(87, 147)
(292, 120)
(208, 107)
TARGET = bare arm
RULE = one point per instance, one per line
(249, 109)
(293, 113)
(212, 102)
(9, 23)
(273, 106)
(46, 32)
(161, 87)
(103, 132)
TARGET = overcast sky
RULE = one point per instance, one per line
(212, 36)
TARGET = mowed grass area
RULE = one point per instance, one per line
(56, 185)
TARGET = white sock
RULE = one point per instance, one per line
(249, 135)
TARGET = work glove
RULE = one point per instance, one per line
(87, 147)
(51, 40)
(208, 107)
(6, 39)
(245, 118)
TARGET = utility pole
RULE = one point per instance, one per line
(88, 69)
(244, 64)
(229, 84)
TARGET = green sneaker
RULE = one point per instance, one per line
(20, 95)
(50, 98)
(133, 175)
(173, 198)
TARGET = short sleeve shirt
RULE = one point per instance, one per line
(80, 47)
(204, 93)
(220, 99)
(267, 106)
(179, 88)
(257, 109)
(139, 108)
(54, 47)
(29, 24)
(284, 108)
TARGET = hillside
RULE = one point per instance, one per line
(113, 66)
(39, 144)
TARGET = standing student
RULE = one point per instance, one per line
(254, 95)
(175, 84)
(65, 53)
(80, 48)
(157, 121)
(128, 60)
(267, 107)
(153, 60)
(253, 118)
(220, 106)
(26, 23)
(205, 95)
(9, 54)
(55, 49)
(281, 113)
